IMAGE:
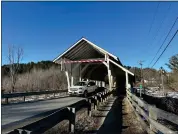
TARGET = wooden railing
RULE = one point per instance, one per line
(151, 117)
(66, 113)
(25, 94)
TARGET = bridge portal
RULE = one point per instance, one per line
(85, 60)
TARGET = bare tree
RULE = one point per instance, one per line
(15, 55)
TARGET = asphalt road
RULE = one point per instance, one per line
(17, 115)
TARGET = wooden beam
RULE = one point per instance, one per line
(68, 82)
(121, 67)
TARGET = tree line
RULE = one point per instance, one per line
(28, 67)
(152, 76)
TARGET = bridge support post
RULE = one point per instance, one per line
(109, 78)
(109, 72)
(127, 80)
(72, 80)
(68, 82)
(72, 120)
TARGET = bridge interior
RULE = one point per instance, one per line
(87, 61)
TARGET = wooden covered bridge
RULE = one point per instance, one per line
(86, 60)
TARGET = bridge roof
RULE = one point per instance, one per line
(84, 49)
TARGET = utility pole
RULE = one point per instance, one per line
(162, 78)
(142, 80)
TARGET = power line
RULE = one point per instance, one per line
(163, 41)
(165, 48)
(153, 18)
(163, 51)
(161, 25)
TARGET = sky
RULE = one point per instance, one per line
(132, 31)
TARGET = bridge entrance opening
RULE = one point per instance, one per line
(86, 61)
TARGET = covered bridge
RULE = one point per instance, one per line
(85, 60)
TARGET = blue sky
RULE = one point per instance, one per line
(46, 29)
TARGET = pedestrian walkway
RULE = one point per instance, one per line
(121, 119)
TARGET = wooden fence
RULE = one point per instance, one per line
(154, 120)
(66, 113)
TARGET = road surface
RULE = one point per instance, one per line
(17, 115)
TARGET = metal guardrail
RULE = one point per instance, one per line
(66, 113)
(150, 115)
(14, 95)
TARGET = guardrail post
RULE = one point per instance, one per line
(97, 97)
(102, 98)
(72, 120)
(21, 131)
(89, 107)
(96, 103)
(110, 94)
(45, 96)
(6, 100)
(18, 131)
(106, 95)
(24, 98)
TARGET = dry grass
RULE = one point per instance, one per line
(36, 80)
(130, 120)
